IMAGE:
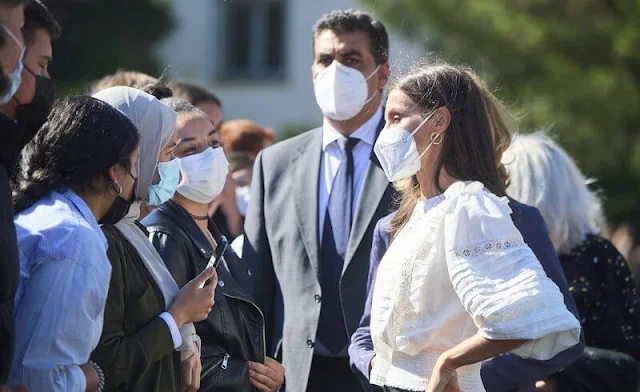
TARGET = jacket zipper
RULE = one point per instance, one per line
(222, 364)
(225, 362)
(264, 341)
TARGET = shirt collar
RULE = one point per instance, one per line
(86, 213)
(366, 133)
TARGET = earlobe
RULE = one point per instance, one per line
(114, 184)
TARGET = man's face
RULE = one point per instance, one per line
(350, 49)
(12, 19)
(36, 62)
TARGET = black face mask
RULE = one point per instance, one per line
(120, 207)
(118, 210)
(31, 116)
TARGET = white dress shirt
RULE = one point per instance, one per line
(332, 156)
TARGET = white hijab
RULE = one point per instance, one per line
(156, 123)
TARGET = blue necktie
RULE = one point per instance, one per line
(335, 238)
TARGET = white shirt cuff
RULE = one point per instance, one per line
(173, 328)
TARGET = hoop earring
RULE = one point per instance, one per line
(436, 138)
(117, 188)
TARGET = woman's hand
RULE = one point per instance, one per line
(444, 377)
(267, 377)
(194, 302)
(191, 369)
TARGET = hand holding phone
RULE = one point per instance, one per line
(215, 260)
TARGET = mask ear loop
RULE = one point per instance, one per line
(406, 138)
(375, 71)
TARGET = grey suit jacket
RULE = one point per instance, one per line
(282, 250)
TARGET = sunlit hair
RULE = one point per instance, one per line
(122, 78)
(242, 135)
(544, 176)
(474, 141)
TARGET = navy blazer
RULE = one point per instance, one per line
(506, 372)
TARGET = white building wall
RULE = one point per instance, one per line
(190, 53)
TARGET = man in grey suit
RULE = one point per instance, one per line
(315, 200)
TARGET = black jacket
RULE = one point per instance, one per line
(233, 334)
(9, 264)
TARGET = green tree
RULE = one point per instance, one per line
(102, 36)
(573, 65)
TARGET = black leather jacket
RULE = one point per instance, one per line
(233, 334)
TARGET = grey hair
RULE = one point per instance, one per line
(544, 176)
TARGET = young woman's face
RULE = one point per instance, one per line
(195, 133)
(167, 154)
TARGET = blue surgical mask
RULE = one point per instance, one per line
(169, 179)
(16, 76)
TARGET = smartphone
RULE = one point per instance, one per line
(216, 258)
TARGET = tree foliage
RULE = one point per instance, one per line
(102, 36)
(573, 65)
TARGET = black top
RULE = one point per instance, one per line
(603, 288)
(9, 263)
(233, 333)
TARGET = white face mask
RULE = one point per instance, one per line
(341, 91)
(242, 199)
(203, 175)
(397, 151)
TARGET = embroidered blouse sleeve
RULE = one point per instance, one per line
(499, 280)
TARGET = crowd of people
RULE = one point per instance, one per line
(410, 243)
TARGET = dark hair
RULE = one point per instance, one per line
(193, 94)
(82, 138)
(351, 21)
(37, 16)
(476, 137)
(157, 89)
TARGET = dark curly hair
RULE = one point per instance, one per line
(82, 138)
(157, 89)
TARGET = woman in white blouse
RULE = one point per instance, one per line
(458, 285)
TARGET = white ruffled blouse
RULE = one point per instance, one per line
(460, 267)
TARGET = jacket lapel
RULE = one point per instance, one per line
(305, 177)
(374, 186)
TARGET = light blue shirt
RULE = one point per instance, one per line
(64, 280)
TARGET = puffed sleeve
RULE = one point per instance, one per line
(498, 279)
